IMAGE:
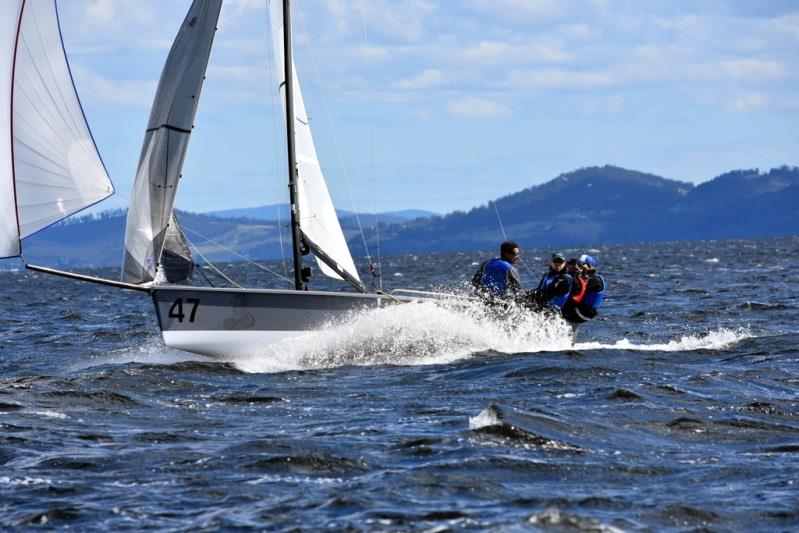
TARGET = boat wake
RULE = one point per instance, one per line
(427, 332)
(424, 332)
(719, 339)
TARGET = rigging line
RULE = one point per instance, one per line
(505, 238)
(202, 273)
(246, 259)
(333, 132)
(189, 243)
(282, 191)
(208, 239)
(213, 267)
(501, 227)
(372, 149)
(460, 96)
(446, 56)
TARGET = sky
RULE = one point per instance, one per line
(444, 105)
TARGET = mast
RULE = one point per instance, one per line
(296, 237)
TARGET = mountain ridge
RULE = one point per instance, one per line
(592, 205)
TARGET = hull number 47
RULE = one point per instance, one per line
(178, 310)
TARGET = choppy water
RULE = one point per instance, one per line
(677, 410)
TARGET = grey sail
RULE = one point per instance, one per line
(176, 259)
(147, 234)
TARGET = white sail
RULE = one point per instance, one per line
(318, 218)
(9, 228)
(49, 164)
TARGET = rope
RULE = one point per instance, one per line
(393, 298)
(214, 268)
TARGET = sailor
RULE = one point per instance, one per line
(576, 269)
(555, 286)
(498, 276)
(594, 290)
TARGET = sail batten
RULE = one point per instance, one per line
(49, 164)
(151, 232)
(318, 219)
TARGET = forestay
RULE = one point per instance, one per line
(147, 239)
(49, 164)
(318, 220)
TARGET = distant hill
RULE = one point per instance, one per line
(587, 206)
(614, 205)
(281, 212)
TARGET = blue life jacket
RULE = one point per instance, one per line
(546, 283)
(593, 300)
(495, 276)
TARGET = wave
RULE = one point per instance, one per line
(151, 351)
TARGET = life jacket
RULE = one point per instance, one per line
(495, 276)
(583, 284)
(592, 299)
(548, 280)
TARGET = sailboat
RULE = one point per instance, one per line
(215, 321)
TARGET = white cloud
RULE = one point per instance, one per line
(114, 93)
(109, 16)
(578, 31)
(736, 100)
(493, 52)
(558, 79)
(386, 19)
(101, 10)
(426, 79)
(238, 8)
(239, 73)
(106, 27)
(788, 25)
(527, 10)
(748, 69)
(420, 114)
(372, 53)
(588, 105)
(476, 108)
(748, 101)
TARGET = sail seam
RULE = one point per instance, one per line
(168, 127)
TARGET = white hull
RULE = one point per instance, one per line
(234, 323)
(226, 344)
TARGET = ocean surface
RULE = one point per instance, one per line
(676, 410)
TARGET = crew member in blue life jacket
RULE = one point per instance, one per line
(594, 291)
(587, 306)
(498, 276)
(555, 286)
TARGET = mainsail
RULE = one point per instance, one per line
(49, 164)
(318, 220)
(166, 140)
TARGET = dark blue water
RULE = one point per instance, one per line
(676, 410)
